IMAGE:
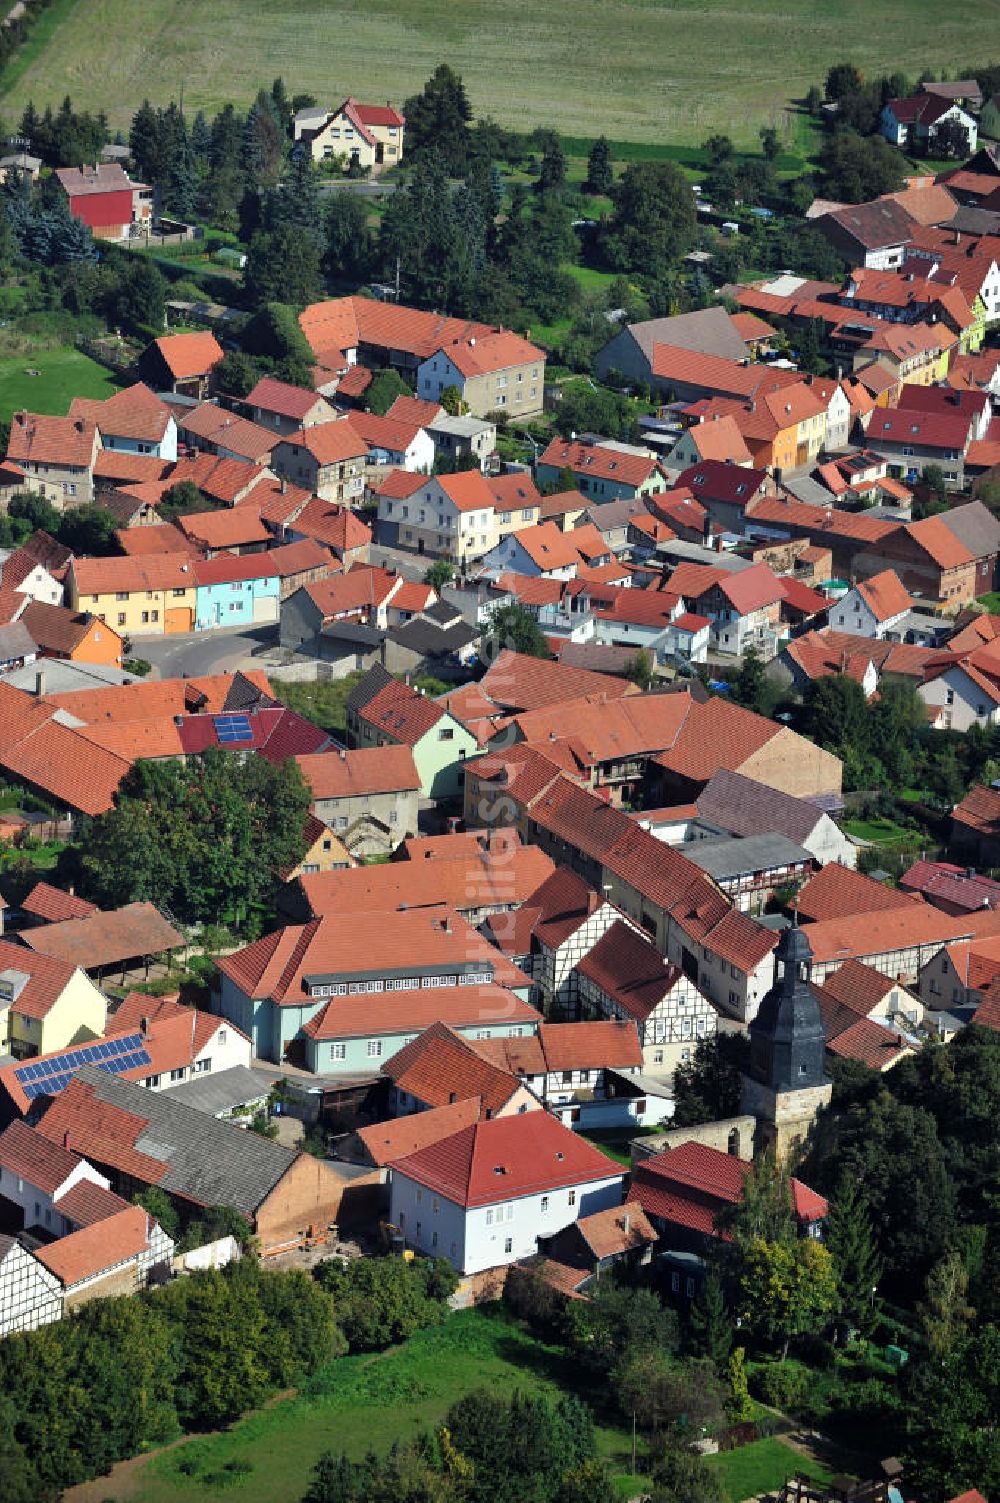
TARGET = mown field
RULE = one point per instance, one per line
(357, 1404)
(636, 70)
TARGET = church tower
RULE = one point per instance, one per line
(785, 1085)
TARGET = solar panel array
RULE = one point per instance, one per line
(47, 1077)
(231, 729)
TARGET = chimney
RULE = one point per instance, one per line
(65, 1139)
(343, 754)
(40, 683)
(626, 1223)
(144, 1026)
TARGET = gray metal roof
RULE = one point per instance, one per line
(740, 857)
(209, 1161)
(224, 1092)
(63, 676)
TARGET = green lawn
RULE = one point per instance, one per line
(991, 602)
(355, 1404)
(63, 373)
(636, 70)
(761, 1467)
(321, 702)
(881, 832)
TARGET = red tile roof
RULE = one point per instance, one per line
(31, 1156)
(336, 526)
(440, 1067)
(187, 355)
(233, 527)
(156, 571)
(53, 905)
(479, 879)
(101, 939)
(402, 713)
(353, 774)
(883, 933)
(885, 595)
(505, 1159)
(837, 891)
(482, 355)
(343, 323)
(104, 1132)
(136, 413)
(271, 395)
(689, 1185)
(409, 1012)
(328, 443)
(107, 1244)
(516, 682)
(858, 986)
(870, 1043)
(388, 1141)
(37, 438)
(630, 969)
(980, 810)
(159, 539)
(341, 944)
(630, 470)
(591, 1046)
(87, 1203)
(717, 734)
(602, 730)
(953, 885)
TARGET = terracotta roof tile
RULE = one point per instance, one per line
(388, 1141)
(870, 1043)
(516, 682)
(630, 969)
(335, 526)
(82, 1255)
(616, 1231)
(275, 966)
(328, 443)
(885, 595)
(87, 1203)
(440, 1067)
(271, 395)
(837, 891)
(479, 879)
(187, 355)
(376, 769)
(101, 939)
(507, 1158)
(53, 905)
(589, 1046)
(406, 1013)
(402, 713)
(605, 464)
(27, 1153)
(37, 438)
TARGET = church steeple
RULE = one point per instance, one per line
(786, 1082)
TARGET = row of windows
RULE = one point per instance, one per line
(399, 984)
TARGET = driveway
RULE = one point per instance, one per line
(199, 653)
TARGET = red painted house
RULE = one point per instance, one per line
(106, 199)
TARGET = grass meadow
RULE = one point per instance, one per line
(356, 1404)
(636, 70)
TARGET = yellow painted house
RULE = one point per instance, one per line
(145, 596)
(917, 354)
(45, 1004)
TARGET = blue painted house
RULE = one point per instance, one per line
(341, 994)
(235, 591)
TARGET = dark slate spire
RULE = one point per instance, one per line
(787, 1037)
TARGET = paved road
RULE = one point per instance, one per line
(358, 188)
(194, 654)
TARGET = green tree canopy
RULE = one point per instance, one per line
(514, 628)
(383, 391)
(283, 265)
(654, 222)
(208, 838)
(600, 174)
(438, 118)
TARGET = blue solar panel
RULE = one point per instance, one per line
(231, 729)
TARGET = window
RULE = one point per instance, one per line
(508, 1244)
(121, 618)
(338, 1051)
(489, 1216)
(374, 1048)
(571, 1198)
(119, 595)
(152, 1081)
(202, 1066)
(545, 1204)
(177, 1074)
(447, 734)
(675, 1283)
(145, 616)
(155, 615)
(436, 1206)
(567, 1077)
(689, 1289)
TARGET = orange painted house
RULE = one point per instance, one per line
(73, 635)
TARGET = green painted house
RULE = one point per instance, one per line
(383, 711)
